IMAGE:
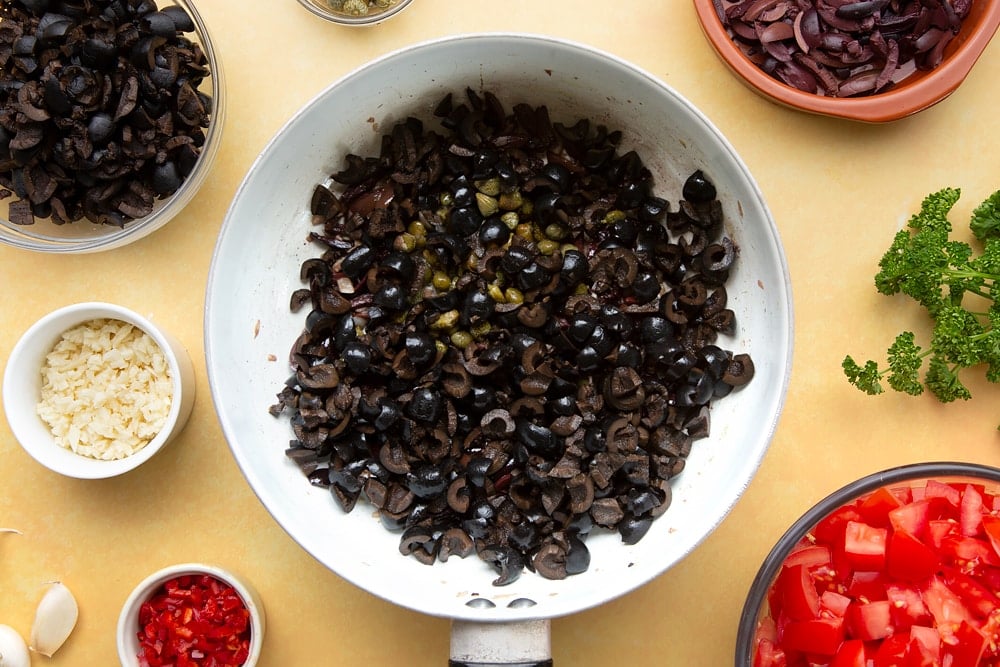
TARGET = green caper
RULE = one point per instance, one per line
(461, 339)
(555, 232)
(445, 321)
(496, 293)
(489, 186)
(487, 205)
(441, 281)
(513, 295)
(548, 247)
(405, 243)
(446, 199)
(479, 330)
(510, 201)
(511, 219)
(525, 231)
(417, 228)
(613, 216)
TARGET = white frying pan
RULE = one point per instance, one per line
(255, 269)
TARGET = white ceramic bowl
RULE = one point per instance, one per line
(22, 383)
(128, 619)
(249, 329)
(84, 236)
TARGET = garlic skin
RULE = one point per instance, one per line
(10, 530)
(55, 619)
(13, 650)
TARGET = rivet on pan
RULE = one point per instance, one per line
(521, 603)
(480, 603)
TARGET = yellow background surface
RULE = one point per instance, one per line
(838, 191)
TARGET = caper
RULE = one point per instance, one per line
(441, 281)
(489, 187)
(446, 199)
(555, 232)
(525, 231)
(497, 294)
(405, 243)
(613, 216)
(461, 339)
(510, 201)
(547, 247)
(417, 228)
(511, 219)
(480, 329)
(446, 320)
(486, 204)
(513, 295)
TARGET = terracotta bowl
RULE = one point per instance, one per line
(917, 92)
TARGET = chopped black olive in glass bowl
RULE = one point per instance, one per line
(516, 324)
(105, 145)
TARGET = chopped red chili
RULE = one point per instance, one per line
(194, 621)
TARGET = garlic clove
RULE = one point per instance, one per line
(13, 650)
(55, 619)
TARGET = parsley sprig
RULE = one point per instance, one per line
(959, 291)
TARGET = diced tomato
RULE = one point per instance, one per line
(909, 559)
(892, 580)
(830, 529)
(864, 546)
(869, 621)
(945, 607)
(891, 651)
(991, 526)
(908, 608)
(850, 654)
(927, 642)
(768, 655)
(867, 585)
(966, 647)
(977, 598)
(834, 603)
(936, 489)
(912, 517)
(971, 516)
(810, 555)
(799, 599)
(820, 635)
(875, 508)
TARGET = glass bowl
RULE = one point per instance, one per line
(875, 582)
(188, 574)
(84, 236)
(916, 92)
(328, 9)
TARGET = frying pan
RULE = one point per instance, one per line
(249, 329)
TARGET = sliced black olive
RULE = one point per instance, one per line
(427, 481)
(357, 261)
(420, 347)
(516, 259)
(357, 357)
(698, 189)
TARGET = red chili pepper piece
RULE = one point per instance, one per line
(194, 621)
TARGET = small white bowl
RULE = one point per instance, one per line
(128, 620)
(22, 383)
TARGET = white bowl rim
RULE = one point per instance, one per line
(76, 465)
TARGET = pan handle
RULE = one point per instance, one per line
(515, 644)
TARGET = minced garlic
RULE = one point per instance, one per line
(106, 389)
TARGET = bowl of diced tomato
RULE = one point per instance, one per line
(900, 568)
(191, 614)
